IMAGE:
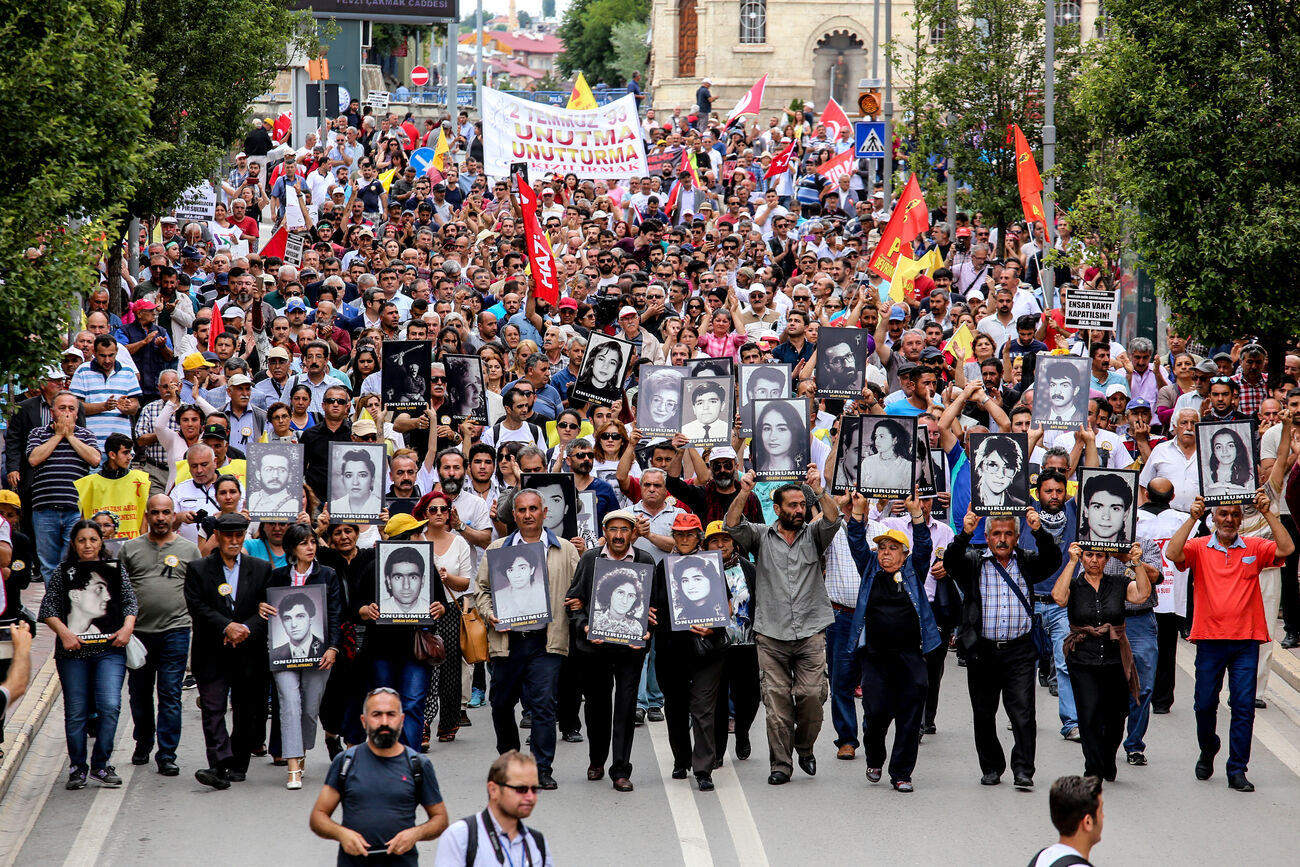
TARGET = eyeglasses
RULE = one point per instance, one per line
(582, 456)
(335, 400)
(438, 379)
(567, 425)
(611, 436)
(367, 438)
(522, 790)
(438, 510)
(1220, 380)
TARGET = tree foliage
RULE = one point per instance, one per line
(75, 149)
(631, 53)
(548, 9)
(586, 30)
(1204, 114)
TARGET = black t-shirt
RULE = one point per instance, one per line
(379, 800)
(892, 623)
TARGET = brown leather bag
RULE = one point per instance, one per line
(429, 648)
(473, 633)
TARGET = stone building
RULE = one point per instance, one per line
(810, 49)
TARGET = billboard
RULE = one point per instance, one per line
(382, 10)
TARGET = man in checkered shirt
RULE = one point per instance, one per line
(1251, 379)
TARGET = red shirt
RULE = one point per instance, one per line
(247, 225)
(1228, 603)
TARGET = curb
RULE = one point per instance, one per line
(45, 687)
(1286, 665)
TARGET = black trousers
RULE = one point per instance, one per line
(934, 663)
(894, 688)
(1101, 705)
(1290, 584)
(1004, 673)
(690, 687)
(610, 679)
(572, 679)
(739, 689)
(246, 692)
(1162, 692)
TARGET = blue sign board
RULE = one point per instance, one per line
(869, 138)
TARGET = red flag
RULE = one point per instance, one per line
(835, 120)
(910, 219)
(546, 282)
(283, 126)
(780, 162)
(672, 200)
(836, 167)
(275, 244)
(750, 103)
(1031, 185)
(215, 327)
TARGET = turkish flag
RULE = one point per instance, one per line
(1031, 185)
(836, 168)
(835, 120)
(546, 282)
(275, 245)
(750, 103)
(780, 162)
(910, 219)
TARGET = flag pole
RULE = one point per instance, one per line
(1048, 276)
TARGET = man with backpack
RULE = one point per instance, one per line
(379, 783)
(1075, 804)
(497, 835)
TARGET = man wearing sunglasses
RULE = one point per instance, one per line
(499, 832)
(1222, 405)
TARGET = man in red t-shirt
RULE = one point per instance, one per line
(1228, 623)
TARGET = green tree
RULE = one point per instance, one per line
(525, 20)
(631, 54)
(1205, 116)
(586, 31)
(548, 9)
(983, 72)
(77, 150)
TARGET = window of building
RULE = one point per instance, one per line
(753, 22)
(1068, 12)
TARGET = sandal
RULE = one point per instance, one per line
(446, 737)
(295, 780)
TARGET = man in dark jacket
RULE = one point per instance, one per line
(704, 99)
(997, 633)
(224, 592)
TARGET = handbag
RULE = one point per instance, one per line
(473, 634)
(1042, 645)
(135, 653)
(428, 648)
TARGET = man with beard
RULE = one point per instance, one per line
(469, 514)
(379, 785)
(581, 456)
(791, 613)
(274, 497)
(712, 499)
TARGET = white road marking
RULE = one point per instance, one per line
(92, 836)
(31, 787)
(740, 820)
(681, 801)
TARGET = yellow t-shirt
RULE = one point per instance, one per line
(238, 469)
(125, 497)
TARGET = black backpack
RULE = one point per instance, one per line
(412, 760)
(471, 839)
(1063, 861)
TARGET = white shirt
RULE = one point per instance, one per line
(1269, 444)
(1000, 333)
(1110, 448)
(1167, 462)
(1051, 855)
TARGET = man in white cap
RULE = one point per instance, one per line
(647, 344)
(274, 388)
(247, 422)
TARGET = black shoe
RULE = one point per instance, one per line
(1043, 677)
(1053, 689)
(334, 745)
(465, 721)
(1260, 704)
(526, 721)
(1290, 640)
(260, 751)
(1240, 783)
(809, 764)
(189, 682)
(928, 729)
(140, 756)
(1138, 759)
(168, 768)
(778, 778)
(547, 782)
(903, 786)
(572, 737)
(76, 780)
(279, 762)
(1163, 709)
(705, 782)
(655, 714)
(638, 718)
(990, 779)
(1204, 767)
(236, 776)
(622, 784)
(679, 773)
(1023, 782)
(212, 777)
(874, 774)
(595, 773)
(743, 748)
(717, 763)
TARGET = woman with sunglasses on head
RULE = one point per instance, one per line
(189, 419)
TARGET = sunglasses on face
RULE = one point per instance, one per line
(566, 425)
(439, 510)
(334, 400)
(611, 436)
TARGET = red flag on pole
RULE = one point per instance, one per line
(215, 327)
(275, 245)
(910, 219)
(546, 282)
(750, 103)
(780, 162)
(834, 168)
(1031, 185)
(835, 120)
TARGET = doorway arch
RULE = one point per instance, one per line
(839, 63)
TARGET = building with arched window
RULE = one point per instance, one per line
(810, 49)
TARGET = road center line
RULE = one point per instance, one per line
(681, 801)
(93, 834)
(740, 819)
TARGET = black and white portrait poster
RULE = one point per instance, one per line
(519, 585)
(841, 362)
(406, 582)
(405, 374)
(296, 632)
(92, 600)
(781, 447)
(466, 394)
(274, 481)
(1226, 459)
(560, 497)
(356, 486)
(710, 367)
(400, 505)
(707, 416)
(603, 369)
(588, 527)
(1061, 392)
(760, 382)
(925, 484)
(620, 602)
(697, 594)
(888, 450)
(659, 400)
(848, 455)
(939, 467)
(1108, 502)
(999, 473)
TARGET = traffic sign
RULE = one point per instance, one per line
(869, 138)
(420, 76)
(420, 159)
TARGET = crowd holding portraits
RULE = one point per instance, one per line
(1227, 461)
(520, 593)
(356, 483)
(999, 473)
(603, 369)
(781, 448)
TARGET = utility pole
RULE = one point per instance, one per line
(889, 106)
(1047, 275)
(952, 180)
(453, 36)
(478, 58)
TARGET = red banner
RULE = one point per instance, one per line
(910, 219)
(1031, 185)
(546, 282)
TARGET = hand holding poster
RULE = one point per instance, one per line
(356, 481)
(1107, 509)
(1226, 459)
(604, 142)
(406, 582)
(520, 586)
(999, 473)
(781, 446)
(620, 602)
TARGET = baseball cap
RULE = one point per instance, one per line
(56, 372)
(295, 304)
(402, 523)
(9, 498)
(1207, 366)
(619, 515)
(893, 536)
(1116, 388)
(167, 221)
(931, 353)
(685, 522)
(628, 311)
(72, 350)
(215, 431)
(232, 311)
(278, 352)
(722, 453)
(191, 253)
(144, 304)
(715, 528)
(898, 313)
(364, 427)
(241, 155)
(238, 379)
(963, 232)
(768, 339)
(195, 360)
(568, 304)
(1139, 403)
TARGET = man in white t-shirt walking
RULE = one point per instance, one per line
(1075, 804)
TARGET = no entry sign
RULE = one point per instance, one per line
(420, 76)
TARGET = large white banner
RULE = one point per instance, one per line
(599, 143)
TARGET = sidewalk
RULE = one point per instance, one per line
(26, 715)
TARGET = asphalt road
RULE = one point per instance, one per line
(1159, 814)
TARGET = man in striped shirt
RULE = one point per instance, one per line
(100, 383)
(59, 453)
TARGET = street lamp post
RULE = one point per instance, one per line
(1047, 275)
(889, 106)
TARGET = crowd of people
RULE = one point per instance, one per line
(133, 451)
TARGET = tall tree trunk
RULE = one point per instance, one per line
(116, 232)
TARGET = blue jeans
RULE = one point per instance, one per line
(1238, 658)
(1057, 622)
(1141, 629)
(532, 675)
(846, 675)
(53, 530)
(649, 694)
(411, 680)
(99, 676)
(163, 669)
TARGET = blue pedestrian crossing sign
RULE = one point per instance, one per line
(869, 137)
